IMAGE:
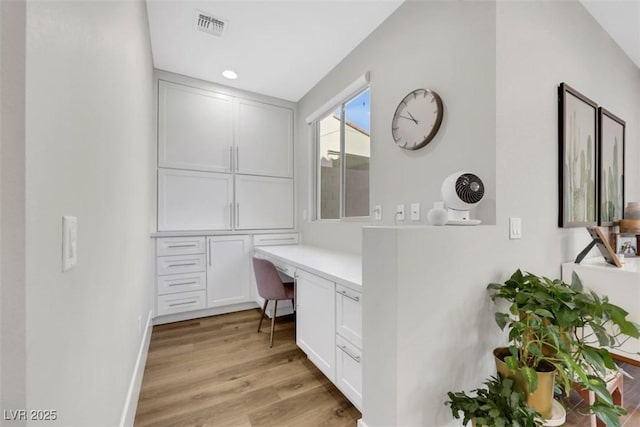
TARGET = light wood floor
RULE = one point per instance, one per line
(218, 371)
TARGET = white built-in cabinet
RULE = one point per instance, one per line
(224, 162)
(189, 200)
(263, 202)
(228, 270)
(265, 147)
(315, 321)
(199, 273)
(195, 128)
(349, 343)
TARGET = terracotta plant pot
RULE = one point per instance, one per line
(542, 399)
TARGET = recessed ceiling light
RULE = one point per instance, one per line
(229, 74)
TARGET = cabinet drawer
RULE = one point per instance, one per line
(349, 314)
(180, 264)
(180, 246)
(185, 301)
(349, 371)
(182, 283)
(276, 239)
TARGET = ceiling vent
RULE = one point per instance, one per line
(209, 24)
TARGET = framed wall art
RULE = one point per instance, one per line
(611, 148)
(578, 130)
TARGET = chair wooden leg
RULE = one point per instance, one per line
(264, 308)
(273, 321)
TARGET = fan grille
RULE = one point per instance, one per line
(469, 188)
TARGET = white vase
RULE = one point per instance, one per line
(438, 214)
(632, 211)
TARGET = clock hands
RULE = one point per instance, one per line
(413, 119)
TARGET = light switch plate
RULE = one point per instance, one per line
(69, 242)
(515, 228)
(400, 213)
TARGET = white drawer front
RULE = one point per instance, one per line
(349, 314)
(180, 246)
(180, 264)
(182, 283)
(178, 303)
(349, 371)
(276, 239)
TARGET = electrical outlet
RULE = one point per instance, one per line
(400, 213)
(415, 211)
(377, 213)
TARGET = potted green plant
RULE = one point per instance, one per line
(560, 328)
(495, 405)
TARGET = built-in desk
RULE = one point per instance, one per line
(339, 267)
(328, 310)
(621, 285)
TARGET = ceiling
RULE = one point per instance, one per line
(283, 48)
(621, 19)
(277, 48)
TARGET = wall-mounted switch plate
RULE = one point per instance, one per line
(69, 242)
(515, 228)
(415, 211)
(400, 213)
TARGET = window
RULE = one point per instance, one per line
(343, 153)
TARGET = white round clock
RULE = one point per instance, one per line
(417, 119)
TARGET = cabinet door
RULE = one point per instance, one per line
(263, 202)
(195, 128)
(264, 139)
(315, 321)
(228, 270)
(194, 200)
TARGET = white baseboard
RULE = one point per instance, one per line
(131, 403)
(361, 423)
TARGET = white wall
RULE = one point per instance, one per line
(12, 198)
(448, 47)
(444, 326)
(90, 153)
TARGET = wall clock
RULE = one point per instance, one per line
(417, 119)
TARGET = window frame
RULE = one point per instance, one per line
(317, 169)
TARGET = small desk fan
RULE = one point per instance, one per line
(461, 191)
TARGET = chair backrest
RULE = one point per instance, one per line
(270, 285)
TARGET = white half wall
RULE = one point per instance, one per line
(90, 153)
(448, 47)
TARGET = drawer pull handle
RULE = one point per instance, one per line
(183, 246)
(279, 239)
(349, 296)
(178, 304)
(183, 265)
(183, 283)
(344, 348)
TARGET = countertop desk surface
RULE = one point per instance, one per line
(339, 267)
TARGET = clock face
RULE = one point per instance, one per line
(417, 119)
